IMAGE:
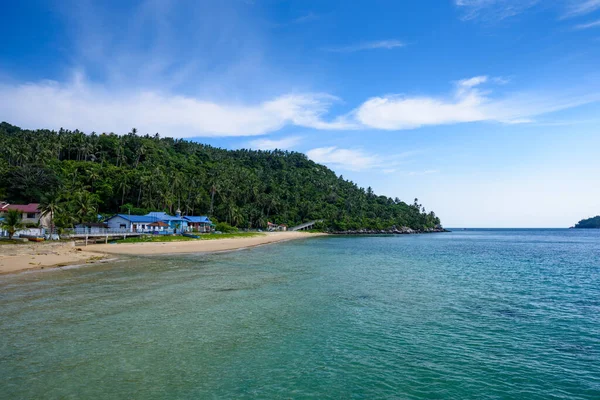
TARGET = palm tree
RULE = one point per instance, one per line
(50, 206)
(12, 222)
(85, 207)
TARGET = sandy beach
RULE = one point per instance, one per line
(19, 257)
(197, 246)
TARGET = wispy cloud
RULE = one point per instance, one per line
(357, 159)
(502, 9)
(85, 106)
(306, 18)
(578, 8)
(379, 44)
(348, 159)
(589, 25)
(468, 103)
(493, 9)
(273, 144)
(421, 173)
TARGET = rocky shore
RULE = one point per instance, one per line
(393, 231)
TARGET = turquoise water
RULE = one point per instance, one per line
(495, 314)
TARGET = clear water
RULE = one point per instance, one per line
(495, 314)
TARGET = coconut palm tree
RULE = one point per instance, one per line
(12, 222)
(50, 205)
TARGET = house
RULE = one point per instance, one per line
(199, 224)
(131, 223)
(91, 227)
(152, 222)
(274, 227)
(30, 213)
(177, 222)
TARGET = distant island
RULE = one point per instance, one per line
(590, 223)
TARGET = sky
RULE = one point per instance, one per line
(487, 111)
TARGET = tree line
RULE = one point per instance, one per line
(75, 176)
(590, 223)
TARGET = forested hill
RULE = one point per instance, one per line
(590, 223)
(82, 174)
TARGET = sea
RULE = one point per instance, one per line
(471, 314)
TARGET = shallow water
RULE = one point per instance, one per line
(482, 314)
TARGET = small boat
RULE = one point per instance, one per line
(33, 238)
(190, 235)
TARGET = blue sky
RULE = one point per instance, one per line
(486, 110)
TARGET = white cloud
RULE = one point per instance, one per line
(349, 159)
(502, 9)
(467, 104)
(394, 112)
(88, 107)
(472, 82)
(306, 18)
(272, 144)
(588, 25)
(421, 173)
(82, 105)
(380, 44)
(578, 8)
(494, 9)
(358, 159)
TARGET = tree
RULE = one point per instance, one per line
(84, 207)
(12, 222)
(105, 172)
(50, 205)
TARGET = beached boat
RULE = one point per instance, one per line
(33, 238)
(190, 235)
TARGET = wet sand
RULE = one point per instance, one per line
(19, 257)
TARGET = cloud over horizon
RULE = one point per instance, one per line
(467, 104)
(82, 105)
(89, 107)
(275, 144)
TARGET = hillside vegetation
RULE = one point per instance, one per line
(77, 175)
(590, 223)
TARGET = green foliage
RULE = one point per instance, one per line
(107, 173)
(155, 238)
(164, 238)
(225, 227)
(590, 223)
(11, 222)
(215, 236)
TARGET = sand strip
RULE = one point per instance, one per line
(197, 246)
(20, 257)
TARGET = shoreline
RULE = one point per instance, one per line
(197, 246)
(16, 258)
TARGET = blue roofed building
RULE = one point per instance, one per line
(199, 224)
(159, 222)
(177, 222)
(133, 223)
